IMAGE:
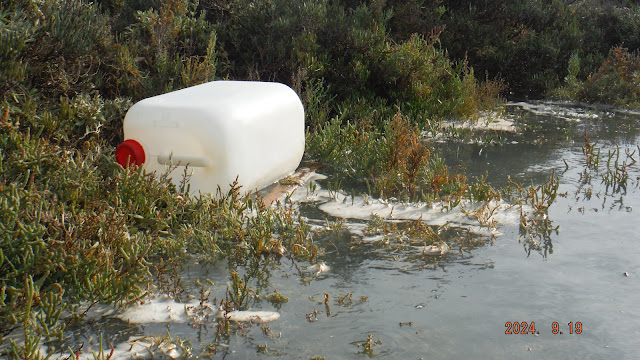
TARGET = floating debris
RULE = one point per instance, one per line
(291, 180)
(441, 248)
(289, 184)
(319, 268)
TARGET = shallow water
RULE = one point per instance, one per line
(455, 305)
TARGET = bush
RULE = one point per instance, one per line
(616, 82)
(75, 227)
(391, 162)
(349, 51)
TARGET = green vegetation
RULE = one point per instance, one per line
(77, 228)
(529, 43)
(394, 161)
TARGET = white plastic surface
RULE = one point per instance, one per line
(222, 130)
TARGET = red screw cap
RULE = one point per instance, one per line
(130, 152)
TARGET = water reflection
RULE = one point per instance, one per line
(529, 154)
(86, 334)
(549, 137)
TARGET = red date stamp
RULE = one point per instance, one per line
(522, 327)
(525, 327)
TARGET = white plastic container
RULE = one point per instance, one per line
(220, 130)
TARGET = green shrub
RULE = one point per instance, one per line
(529, 43)
(571, 82)
(349, 52)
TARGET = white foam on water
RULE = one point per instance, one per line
(155, 309)
(251, 316)
(561, 111)
(163, 309)
(160, 309)
(90, 311)
(374, 238)
(488, 121)
(466, 214)
(138, 347)
(319, 268)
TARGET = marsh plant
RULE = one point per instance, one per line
(405, 233)
(591, 152)
(161, 345)
(368, 345)
(536, 228)
(619, 166)
(397, 164)
(618, 170)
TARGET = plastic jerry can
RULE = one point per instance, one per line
(219, 131)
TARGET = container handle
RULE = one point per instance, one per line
(184, 160)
